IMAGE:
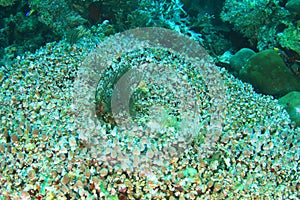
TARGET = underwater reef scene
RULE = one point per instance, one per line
(145, 99)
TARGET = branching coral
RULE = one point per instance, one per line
(257, 20)
(289, 38)
(168, 14)
(57, 15)
(7, 2)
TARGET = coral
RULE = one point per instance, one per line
(258, 20)
(289, 38)
(72, 20)
(134, 54)
(21, 33)
(42, 154)
(7, 2)
(204, 18)
(63, 16)
(168, 14)
(57, 15)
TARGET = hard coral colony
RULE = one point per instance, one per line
(42, 155)
(145, 114)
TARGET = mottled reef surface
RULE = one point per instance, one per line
(42, 155)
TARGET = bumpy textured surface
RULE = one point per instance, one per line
(7, 2)
(172, 92)
(257, 20)
(44, 155)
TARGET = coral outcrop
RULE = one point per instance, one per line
(44, 155)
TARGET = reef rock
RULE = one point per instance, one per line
(239, 59)
(268, 74)
(293, 6)
(291, 102)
